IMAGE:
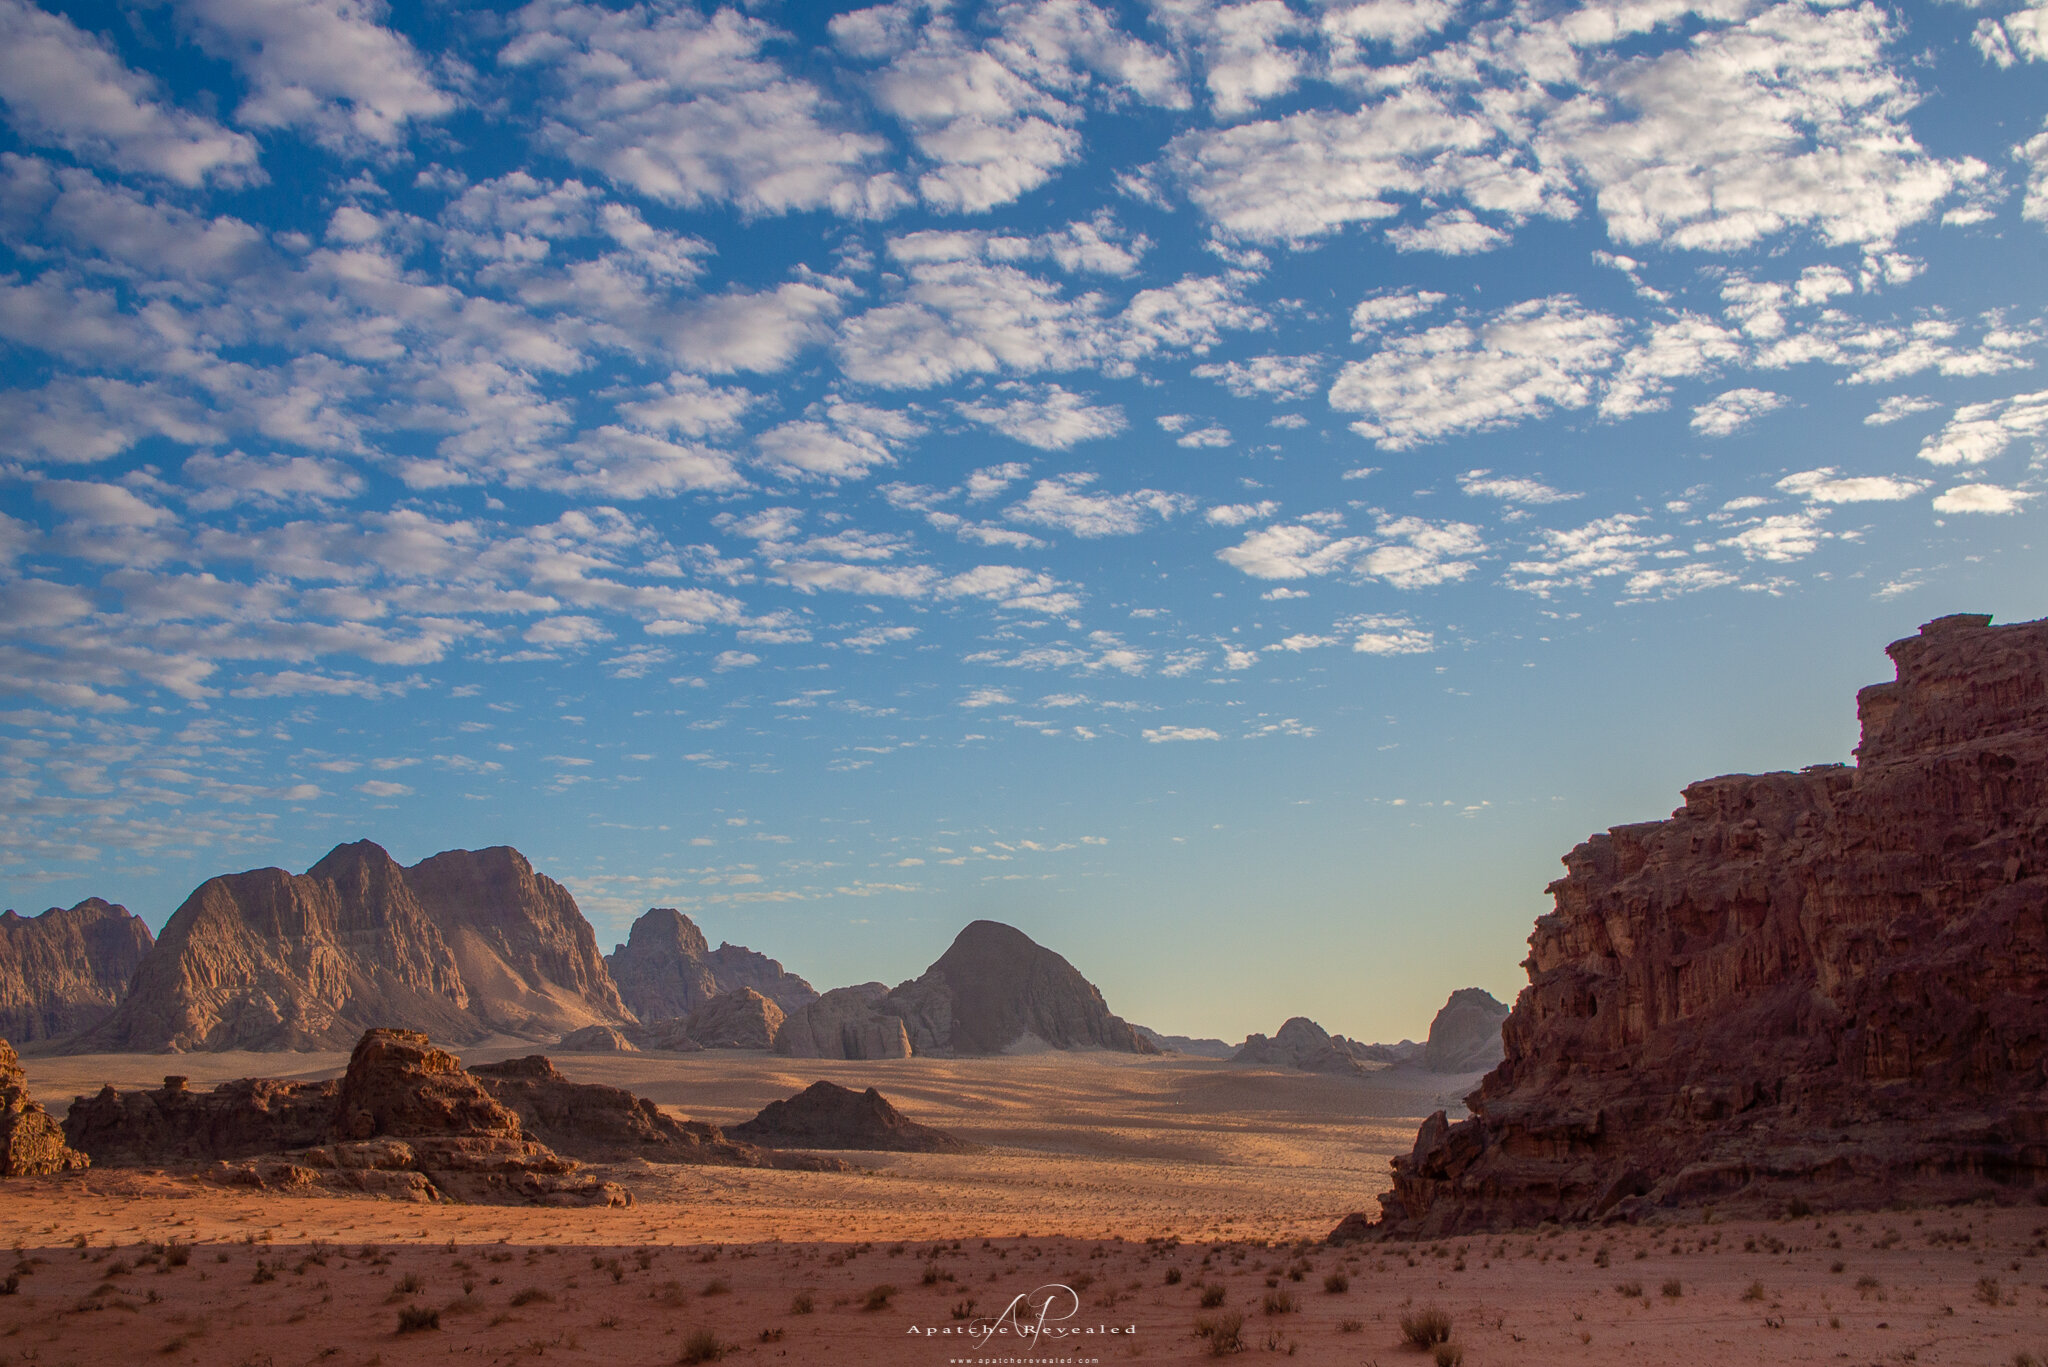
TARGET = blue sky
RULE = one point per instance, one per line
(1234, 489)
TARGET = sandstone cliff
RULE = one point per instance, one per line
(1826, 984)
(846, 1022)
(461, 945)
(739, 1019)
(67, 969)
(1465, 1036)
(667, 969)
(31, 1143)
(995, 989)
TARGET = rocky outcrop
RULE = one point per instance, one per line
(827, 1116)
(174, 1124)
(845, 1023)
(1825, 984)
(1465, 1036)
(667, 969)
(603, 1124)
(463, 945)
(31, 1143)
(596, 1039)
(995, 990)
(67, 969)
(671, 1036)
(1303, 1044)
(739, 1019)
(1186, 1044)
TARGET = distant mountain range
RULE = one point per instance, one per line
(471, 945)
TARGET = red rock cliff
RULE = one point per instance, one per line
(1830, 984)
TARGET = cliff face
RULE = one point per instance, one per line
(1827, 984)
(461, 945)
(1465, 1036)
(67, 969)
(666, 969)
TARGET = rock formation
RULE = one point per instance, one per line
(1303, 1044)
(846, 1022)
(996, 990)
(31, 1143)
(1465, 1036)
(667, 969)
(463, 945)
(67, 969)
(1186, 1044)
(827, 1116)
(1825, 985)
(175, 1124)
(739, 1019)
(596, 1039)
(671, 1035)
(603, 1124)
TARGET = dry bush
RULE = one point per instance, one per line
(1426, 1328)
(1448, 1355)
(533, 1295)
(1173, 1276)
(802, 1303)
(414, 1318)
(1755, 1292)
(1279, 1302)
(1673, 1289)
(1987, 1290)
(1336, 1283)
(1213, 1295)
(1224, 1332)
(878, 1297)
(717, 1286)
(1628, 1289)
(701, 1346)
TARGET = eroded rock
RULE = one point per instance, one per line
(828, 1116)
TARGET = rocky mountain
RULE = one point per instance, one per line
(464, 945)
(828, 1116)
(847, 1022)
(67, 969)
(1825, 985)
(31, 1143)
(1465, 1036)
(1186, 1044)
(666, 969)
(739, 1019)
(995, 989)
(1303, 1044)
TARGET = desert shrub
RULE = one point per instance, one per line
(1279, 1302)
(532, 1295)
(717, 1286)
(1173, 1276)
(802, 1304)
(1426, 1328)
(1336, 1283)
(415, 1318)
(1224, 1332)
(1629, 1289)
(1350, 1326)
(1755, 1292)
(1213, 1294)
(878, 1297)
(1673, 1288)
(409, 1285)
(1448, 1355)
(1987, 1290)
(701, 1346)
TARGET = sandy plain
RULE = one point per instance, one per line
(1145, 1186)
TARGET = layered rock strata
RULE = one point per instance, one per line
(828, 1116)
(31, 1142)
(67, 969)
(1826, 985)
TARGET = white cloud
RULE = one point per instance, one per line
(843, 441)
(238, 478)
(1159, 735)
(689, 406)
(378, 787)
(1455, 232)
(1063, 502)
(1237, 514)
(1825, 485)
(1527, 359)
(1981, 498)
(762, 330)
(1379, 311)
(1899, 406)
(1510, 489)
(1204, 437)
(66, 87)
(1244, 48)
(1782, 537)
(1575, 557)
(686, 109)
(987, 697)
(324, 65)
(1416, 553)
(1728, 413)
(1384, 635)
(1282, 378)
(1291, 551)
(734, 659)
(1979, 432)
(1045, 416)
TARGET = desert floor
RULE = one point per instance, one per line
(1144, 1186)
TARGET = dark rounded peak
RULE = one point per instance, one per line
(344, 861)
(1477, 997)
(984, 937)
(490, 859)
(667, 928)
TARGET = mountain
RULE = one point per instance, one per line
(1465, 1036)
(667, 969)
(1823, 986)
(1303, 1044)
(464, 945)
(995, 990)
(67, 969)
(1186, 1044)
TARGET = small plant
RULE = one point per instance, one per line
(1673, 1289)
(1213, 1294)
(1173, 1276)
(878, 1297)
(1868, 1286)
(409, 1285)
(1279, 1303)
(1426, 1328)
(801, 1303)
(1350, 1326)
(717, 1286)
(1988, 1290)
(1755, 1292)
(532, 1295)
(1600, 1256)
(1448, 1355)
(1628, 1289)
(701, 1346)
(1224, 1332)
(1336, 1283)
(415, 1318)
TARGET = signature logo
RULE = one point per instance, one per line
(1041, 1316)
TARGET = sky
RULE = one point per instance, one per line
(1236, 490)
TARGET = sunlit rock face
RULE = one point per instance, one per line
(1829, 985)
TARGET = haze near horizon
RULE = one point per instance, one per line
(1233, 490)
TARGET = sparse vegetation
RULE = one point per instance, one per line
(1279, 1303)
(1448, 1355)
(1224, 1332)
(1173, 1276)
(878, 1297)
(1628, 1289)
(1673, 1289)
(1213, 1295)
(1426, 1328)
(533, 1295)
(1336, 1283)
(1988, 1290)
(701, 1346)
(1755, 1292)
(802, 1303)
(415, 1318)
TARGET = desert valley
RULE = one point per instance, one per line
(1775, 1092)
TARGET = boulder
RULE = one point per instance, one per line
(740, 1019)
(1821, 987)
(845, 1023)
(596, 1039)
(827, 1116)
(1465, 1036)
(31, 1143)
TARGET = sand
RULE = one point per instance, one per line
(1229, 1173)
